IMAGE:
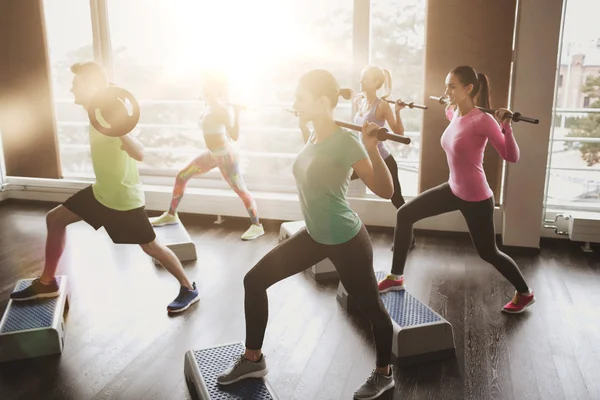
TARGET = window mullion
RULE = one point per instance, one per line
(101, 34)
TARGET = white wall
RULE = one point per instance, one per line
(270, 205)
(224, 202)
(534, 77)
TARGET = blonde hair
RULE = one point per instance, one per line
(93, 72)
(382, 76)
(217, 81)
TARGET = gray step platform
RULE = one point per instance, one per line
(34, 328)
(203, 366)
(321, 271)
(176, 238)
(420, 334)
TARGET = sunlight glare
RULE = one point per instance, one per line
(244, 39)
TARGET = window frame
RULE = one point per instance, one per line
(551, 207)
(593, 205)
(360, 57)
(2, 166)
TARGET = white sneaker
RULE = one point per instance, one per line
(243, 368)
(253, 232)
(165, 219)
(375, 386)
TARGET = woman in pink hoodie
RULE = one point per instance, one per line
(467, 190)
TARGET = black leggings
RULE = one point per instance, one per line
(397, 199)
(354, 262)
(480, 220)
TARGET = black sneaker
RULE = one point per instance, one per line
(37, 290)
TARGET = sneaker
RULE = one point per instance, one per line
(243, 368)
(253, 232)
(389, 284)
(165, 219)
(37, 290)
(375, 386)
(184, 300)
(519, 303)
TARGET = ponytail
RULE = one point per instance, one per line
(483, 97)
(382, 76)
(387, 83)
(481, 84)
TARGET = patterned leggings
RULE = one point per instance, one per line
(227, 160)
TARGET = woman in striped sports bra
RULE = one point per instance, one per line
(218, 131)
(371, 108)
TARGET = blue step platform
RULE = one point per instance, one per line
(203, 366)
(420, 334)
(34, 328)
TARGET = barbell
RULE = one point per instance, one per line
(516, 116)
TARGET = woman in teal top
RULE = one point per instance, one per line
(333, 230)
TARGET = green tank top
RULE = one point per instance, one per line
(118, 184)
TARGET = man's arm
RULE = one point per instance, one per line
(130, 144)
(133, 147)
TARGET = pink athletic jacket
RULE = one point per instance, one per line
(464, 142)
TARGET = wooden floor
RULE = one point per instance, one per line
(121, 344)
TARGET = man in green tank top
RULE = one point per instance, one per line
(114, 201)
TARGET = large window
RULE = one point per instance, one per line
(398, 44)
(69, 37)
(264, 46)
(574, 162)
(159, 53)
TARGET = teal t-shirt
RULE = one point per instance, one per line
(322, 173)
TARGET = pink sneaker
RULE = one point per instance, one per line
(519, 303)
(389, 284)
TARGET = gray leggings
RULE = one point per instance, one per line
(354, 262)
(480, 220)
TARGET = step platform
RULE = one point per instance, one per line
(34, 328)
(323, 270)
(203, 366)
(176, 238)
(420, 334)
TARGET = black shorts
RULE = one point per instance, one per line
(124, 227)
